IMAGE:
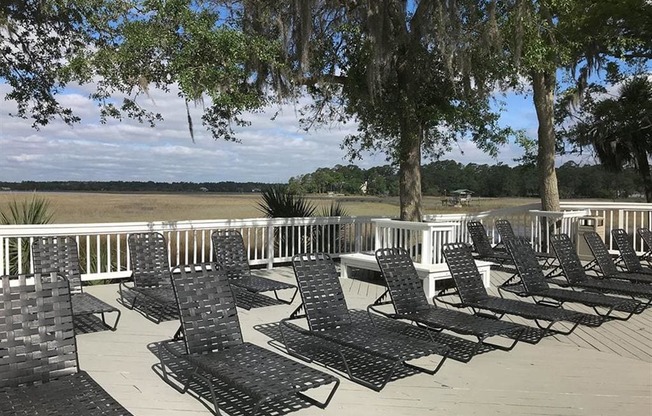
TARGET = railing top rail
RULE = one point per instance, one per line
(412, 225)
(26, 230)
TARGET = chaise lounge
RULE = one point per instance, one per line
(39, 367)
(60, 255)
(331, 323)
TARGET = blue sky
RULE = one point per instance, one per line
(270, 150)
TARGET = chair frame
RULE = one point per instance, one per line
(628, 256)
(474, 296)
(329, 320)
(39, 367)
(482, 245)
(607, 267)
(646, 235)
(506, 232)
(405, 294)
(533, 284)
(60, 255)
(152, 278)
(229, 251)
(215, 348)
(575, 275)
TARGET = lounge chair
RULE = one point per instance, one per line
(606, 264)
(330, 322)
(646, 235)
(534, 284)
(575, 276)
(506, 232)
(60, 255)
(215, 348)
(405, 292)
(229, 250)
(39, 368)
(151, 291)
(628, 256)
(473, 295)
(482, 245)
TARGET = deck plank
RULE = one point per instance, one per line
(594, 371)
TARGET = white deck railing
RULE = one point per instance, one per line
(528, 221)
(104, 254)
(423, 240)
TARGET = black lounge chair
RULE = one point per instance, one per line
(533, 284)
(151, 291)
(506, 232)
(473, 295)
(482, 245)
(229, 250)
(39, 368)
(646, 235)
(575, 276)
(215, 348)
(627, 254)
(606, 264)
(60, 255)
(405, 292)
(330, 321)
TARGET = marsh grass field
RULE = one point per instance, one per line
(69, 207)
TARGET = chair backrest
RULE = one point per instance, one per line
(627, 252)
(37, 338)
(207, 309)
(404, 284)
(646, 235)
(479, 237)
(568, 259)
(527, 265)
(504, 228)
(601, 253)
(59, 255)
(321, 291)
(230, 253)
(464, 272)
(149, 259)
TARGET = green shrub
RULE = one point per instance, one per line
(34, 211)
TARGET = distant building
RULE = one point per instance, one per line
(203, 189)
(5, 189)
(363, 188)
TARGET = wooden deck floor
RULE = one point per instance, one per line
(594, 371)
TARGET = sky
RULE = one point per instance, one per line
(270, 151)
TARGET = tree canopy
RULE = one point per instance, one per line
(415, 75)
(617, 128)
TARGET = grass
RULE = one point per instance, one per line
(106, 207)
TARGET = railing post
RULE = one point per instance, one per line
(357, 239)
(270, 246)
(426, 245)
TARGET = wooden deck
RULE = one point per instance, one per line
(594, 371)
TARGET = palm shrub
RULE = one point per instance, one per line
(279, 202)
(34, 211)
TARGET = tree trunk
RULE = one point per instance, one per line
(543, 83)
(643, 168)
(410, 175)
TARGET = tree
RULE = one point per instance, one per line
(578, 36)
(416, 76)
(45, 45)
(618, 129)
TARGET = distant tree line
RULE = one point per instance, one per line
(121, 186)
(439, 178)
(442, 177)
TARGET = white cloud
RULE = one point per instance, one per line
(270, 150)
